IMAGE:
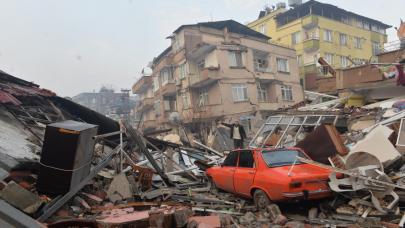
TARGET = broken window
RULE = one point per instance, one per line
(231, 159)
(235, 58)
(239, 93)
(282, 65)
(261, 61)
(246, 159)
(261, 93)
(203, 97)
(286, 93)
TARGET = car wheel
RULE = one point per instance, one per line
(261, 199)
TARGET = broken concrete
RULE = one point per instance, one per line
(21, 198)
(119, 188)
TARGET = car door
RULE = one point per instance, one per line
(245, 172)
(225, 177)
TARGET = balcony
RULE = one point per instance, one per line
(205, 77)
(142, 85)
(168, 89)
(311, 44)
(310, 69)
(266, 77)
(147, 103)
(310, 22)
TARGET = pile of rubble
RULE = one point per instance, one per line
(63, 165)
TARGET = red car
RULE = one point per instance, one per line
(270, 175)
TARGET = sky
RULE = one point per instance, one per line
(74, 46)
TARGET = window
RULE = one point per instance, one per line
(357, 42)
(345, 19)
(261, 61)
(286, 93)
(329, 58)
(203, 97)
(374, 28)
(282, 65)
(376, 48)
(231, 159)
(344, 61)
(261, 93)
(239, 93)
(327, 35)
(343, 39)
(296, 38)
(155, 84)
(275, 158)
(182, 71)
(246, 159)
(366, 25)
(166, 105)
(235, 59)
(262, 29)
(166, 76)
(359, 23)
(186, 101)
(157, 107)
(300, 60)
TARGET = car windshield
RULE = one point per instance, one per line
(274, 158)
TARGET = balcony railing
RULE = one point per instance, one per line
(311, 44)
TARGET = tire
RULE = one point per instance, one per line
(261, 199)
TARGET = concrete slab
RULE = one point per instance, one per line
(119, 188)
(21, 198)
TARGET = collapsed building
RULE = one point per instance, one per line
(218, 71)
(66, 165)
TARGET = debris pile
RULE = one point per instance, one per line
(68, 166)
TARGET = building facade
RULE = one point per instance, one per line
(315, 30)
(108, 103)
(218, 71)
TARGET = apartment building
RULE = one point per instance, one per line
(218, 71)
(316, 29)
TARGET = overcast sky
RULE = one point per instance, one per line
(73, 46)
